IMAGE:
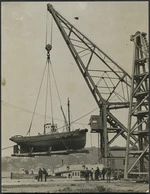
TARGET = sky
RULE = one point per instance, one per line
(23, 33)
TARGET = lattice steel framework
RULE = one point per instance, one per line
(139, 108)
(107, 81)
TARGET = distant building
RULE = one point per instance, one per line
(75, 171)
(118, 157)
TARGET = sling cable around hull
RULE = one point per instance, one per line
(53, 142)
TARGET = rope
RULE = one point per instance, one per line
(50, 89)
(28, 111)
(37, 100)
(51, 29)
(84, 115)
(51, 100)
(78, 118)
(63, 141)
(7, 147)
(66, 124)
(55, 83)
(51, 32)
(60, 127)
(46, 99)
(46, 28)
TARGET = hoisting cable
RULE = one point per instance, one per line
(46, 28)
(50, 89)
(49, 62)
(46, 99)
(80, 117)
(66, 123)
(7, 147)
(51, 41)
(29, 111)
(61, 127)
(55, 83)
(49, 28)
(36, 101)
(48, 47)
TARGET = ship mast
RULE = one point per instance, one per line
(68, 115)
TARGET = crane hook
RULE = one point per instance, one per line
(48, 47)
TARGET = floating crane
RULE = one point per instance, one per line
(108, 83)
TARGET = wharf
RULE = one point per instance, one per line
(72, 186)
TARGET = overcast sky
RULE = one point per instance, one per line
(108, 24)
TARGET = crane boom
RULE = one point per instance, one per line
(107, 81)
(69, 33)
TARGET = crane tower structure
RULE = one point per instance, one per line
(108, 82)
(139, 108)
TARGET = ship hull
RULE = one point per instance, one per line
(51, 142)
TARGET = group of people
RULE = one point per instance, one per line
(42, 173)
(25, 171)
(97, 174)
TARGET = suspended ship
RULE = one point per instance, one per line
(53, 142)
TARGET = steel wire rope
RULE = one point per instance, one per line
(62, 126)
(50, 87)
(7, 147)
(46, 28)
(24, 110)
(46, 40)
(57, 90)
(55, 84)
(50, 90)
(117, 93)
(46, 99)
(28, 111)
(36, 100)
(71, 123)
(51, 28)
(51, 99)
(48, 61)
(80, 117)
(49, 80)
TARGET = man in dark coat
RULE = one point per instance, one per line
(40, 172)
(86, 175)
(45, 174)
(103, 173)
(97, 173)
